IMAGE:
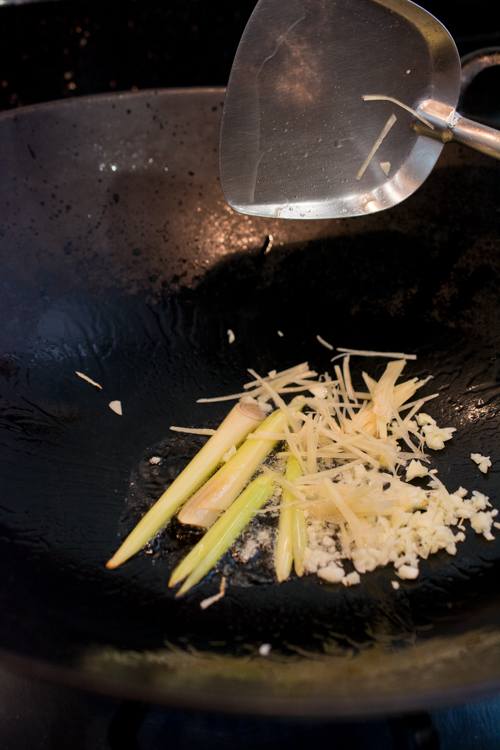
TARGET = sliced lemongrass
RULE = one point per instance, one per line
(216, 597)
(267, 435)
(313, 478)
(412, 404)
(347, 378)
(356, 526)
(287, 485)
(371, 384)
(299, 526)
(413, 410)
(278, 401)
(383, 397)
(279, 381)
(382, 98)
(343, 391)
(213, 400)
(388, 125)
(338, 356)
(327, 453)
(312, 444)
(225, 485)
(299, 540)
(193, 430)
(363, 395)
(280, 384)
(405, 433)
(89, 380)
(241, 420)
(290, 371)
(346, 442)
(222, 534)
(292, 440)
(284, 553)
(325, 343)
(369, 353)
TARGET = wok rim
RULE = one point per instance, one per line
(171, 91)
(337, 708)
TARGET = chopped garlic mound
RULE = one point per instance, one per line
(352, 579)
(482, 523)
(332, 573)
(408, 572)
(483, 462)
(435, 436)
(424, 419)
(416, 469)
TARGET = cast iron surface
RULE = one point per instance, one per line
(121, 259)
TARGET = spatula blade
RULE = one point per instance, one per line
(296, 132)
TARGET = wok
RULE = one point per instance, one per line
(121, 259)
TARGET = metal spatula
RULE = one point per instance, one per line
(304, 133)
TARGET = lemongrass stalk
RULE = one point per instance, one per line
(219, 492)
(242, 419)
(222, 534)
(299, 539)
(283, 558)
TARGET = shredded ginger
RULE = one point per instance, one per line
(359, 452)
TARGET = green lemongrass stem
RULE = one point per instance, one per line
(284, 554)
(299, 539)
(242, 419)
(219, 491)
(222, 534)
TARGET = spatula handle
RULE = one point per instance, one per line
(473, 134)
(449, 126)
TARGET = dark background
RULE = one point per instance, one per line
(55, 50)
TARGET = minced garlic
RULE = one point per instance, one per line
(435, 436)
(352, 579)
(483, 462)
(482, 522)
(409, 572)
(332, 573)
(116, 406)
(424, 419)
(416, 469)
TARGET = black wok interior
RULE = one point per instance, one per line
(121, 259)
